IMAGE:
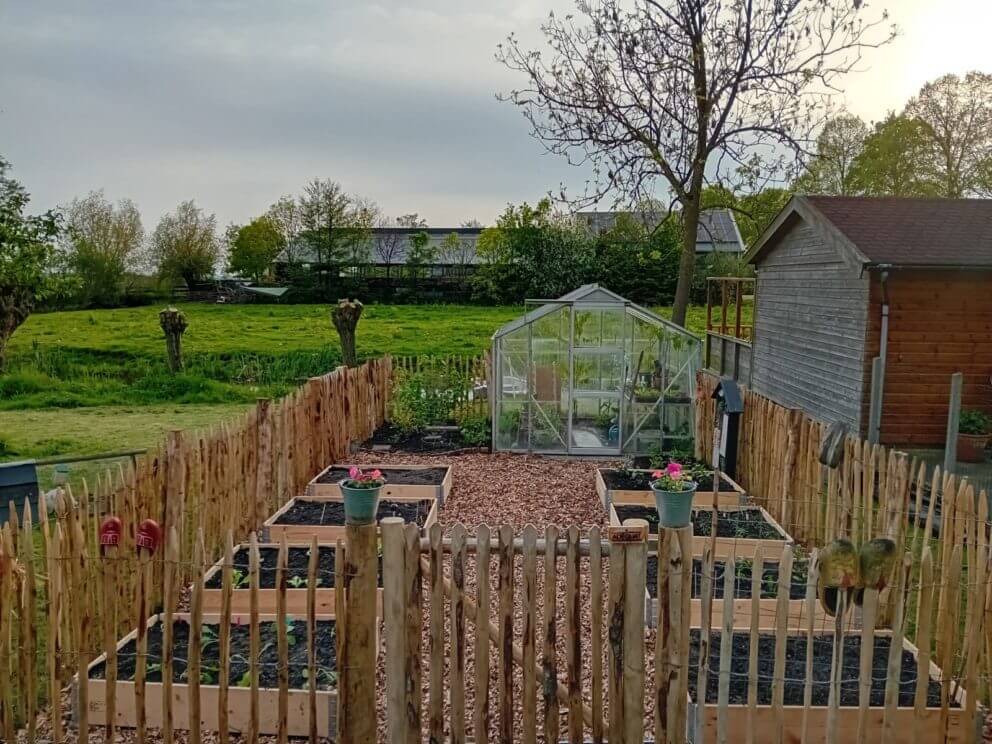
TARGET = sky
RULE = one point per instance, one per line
(236, 103)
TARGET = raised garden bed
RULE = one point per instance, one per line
(239, 705)
(390, 438)
(616, 486)
(402, 481)
(742, 529)
(798, 610)
(765, 727)
(297, 573)
(302, 519)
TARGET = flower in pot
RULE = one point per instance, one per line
(361, 495)
(974, 429)
(673, 491)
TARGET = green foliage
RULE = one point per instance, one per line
(420, 254)
(26, 257)
(753, 212)
(101, 242)
(894, 160)
(637, 261)
(531, 252)
(184, 244)
(837, 147)
(254, 247)
(975, 422)
(425, 398)
(474, 423)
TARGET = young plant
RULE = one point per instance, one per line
(975, 423)
(357, 478)
(240, 579)
(328, 677)
(673, 479)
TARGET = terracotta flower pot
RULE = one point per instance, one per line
(971, 447)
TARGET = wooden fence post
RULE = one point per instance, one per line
(625, 618)
(358, 717)
(263, 479)
(394, 616)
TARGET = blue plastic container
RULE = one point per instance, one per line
(674, 507)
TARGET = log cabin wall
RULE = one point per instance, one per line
(940, 322)
(809, 326)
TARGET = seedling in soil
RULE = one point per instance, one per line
(302, 582)
(240, 579)
(326, 676)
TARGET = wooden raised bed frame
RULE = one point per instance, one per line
(741, 546)
(765, 728)
(396, 491)
(796, 618)
(702, 499)
(326, 534)
(239, 699)
(296, 599)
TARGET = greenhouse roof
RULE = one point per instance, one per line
(588, 294)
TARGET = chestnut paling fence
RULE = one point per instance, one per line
(875, 491)
(61, 599)
(503, 635)
(496, 635)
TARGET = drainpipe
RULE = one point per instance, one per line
(878, 370)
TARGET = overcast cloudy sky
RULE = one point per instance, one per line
(235, 103)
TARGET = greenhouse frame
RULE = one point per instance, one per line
(592, 373)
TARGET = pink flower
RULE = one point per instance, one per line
(354, 472)
(376, 474)
(674, 469)
(657, 474)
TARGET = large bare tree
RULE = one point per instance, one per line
(686, 91)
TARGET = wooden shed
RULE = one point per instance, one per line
(841, 280)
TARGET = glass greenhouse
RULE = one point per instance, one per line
(592, 374)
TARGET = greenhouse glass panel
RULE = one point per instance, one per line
(591, 373)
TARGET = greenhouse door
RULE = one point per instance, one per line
(597, 372)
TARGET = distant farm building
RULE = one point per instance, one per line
(829, 271)
(387, 251)
(718, 232)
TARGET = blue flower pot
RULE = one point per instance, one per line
(674, 507)
(360, 504)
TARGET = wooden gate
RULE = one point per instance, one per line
(504, 636)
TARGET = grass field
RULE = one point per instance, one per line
(88, 381)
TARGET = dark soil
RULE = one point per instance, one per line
(742, 581)
(393, 476)
(239, 656)
(640, 480)
(401, 440)
(297, 568)
(795, 671)
(743, 523)
(332, 512)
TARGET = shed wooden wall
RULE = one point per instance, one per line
(810, 325)
(940, 322)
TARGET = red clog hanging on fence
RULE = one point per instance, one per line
(110, 533)
(149, 536)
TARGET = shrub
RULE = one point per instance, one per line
(975, 422)
(425, 398)
(474, 423)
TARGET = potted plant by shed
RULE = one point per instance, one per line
(673, 491)
(974, 429)
(360, 492)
